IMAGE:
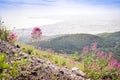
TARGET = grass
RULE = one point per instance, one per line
(96, 68)
(54, 58)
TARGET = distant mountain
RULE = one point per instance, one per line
(111, 39)
(71, 42)
(75, 42)
(106, 35)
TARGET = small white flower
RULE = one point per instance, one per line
(75, 69)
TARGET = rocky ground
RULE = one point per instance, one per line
(40, 69)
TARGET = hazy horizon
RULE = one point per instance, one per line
(62, 16)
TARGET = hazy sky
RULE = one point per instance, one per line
(30, 13)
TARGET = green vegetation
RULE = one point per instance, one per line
(17, 66)
(70, 43)
(97, 64)
(4, 34)
(54, 58)
(3, 65)
(100, 67)
(75, 42)
(13, 69)
(76, 56)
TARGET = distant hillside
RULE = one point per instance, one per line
(115, 34)
(111, 43)
(71, 43)
(111, 39)
(75, 42)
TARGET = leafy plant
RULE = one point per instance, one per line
(4, 34)
(3, 65)
(100, 65)
(17, 66)
(76, 57)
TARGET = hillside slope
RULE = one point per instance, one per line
(108, 42)
(71, 43)
(35, 68)
(111, 39)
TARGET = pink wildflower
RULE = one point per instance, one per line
(50, 50)
(98, 68)
(36, 32)
(100, 54)
(113, 62)
(94, 66)
(73, 62)
(118, 65)
(94, 46)
(85, 49)
(12, 36)
(110, 55)
(105, 56)
(108, 79)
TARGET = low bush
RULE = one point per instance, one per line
(99, 65)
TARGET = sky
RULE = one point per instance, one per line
(29, 13)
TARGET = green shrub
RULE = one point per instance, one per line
(99, 65)
(3, 65)
(17, 66)
(76, 57)
(4, 34)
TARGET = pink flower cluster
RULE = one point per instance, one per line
(36, 32)
(101, 55)
(114, 63)
(110, 55)
(50, 50)
(100, 61)
(108, 79)
(94, 66)
(94, 46)
(118, 65)
(12, 36)
(85, 49)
